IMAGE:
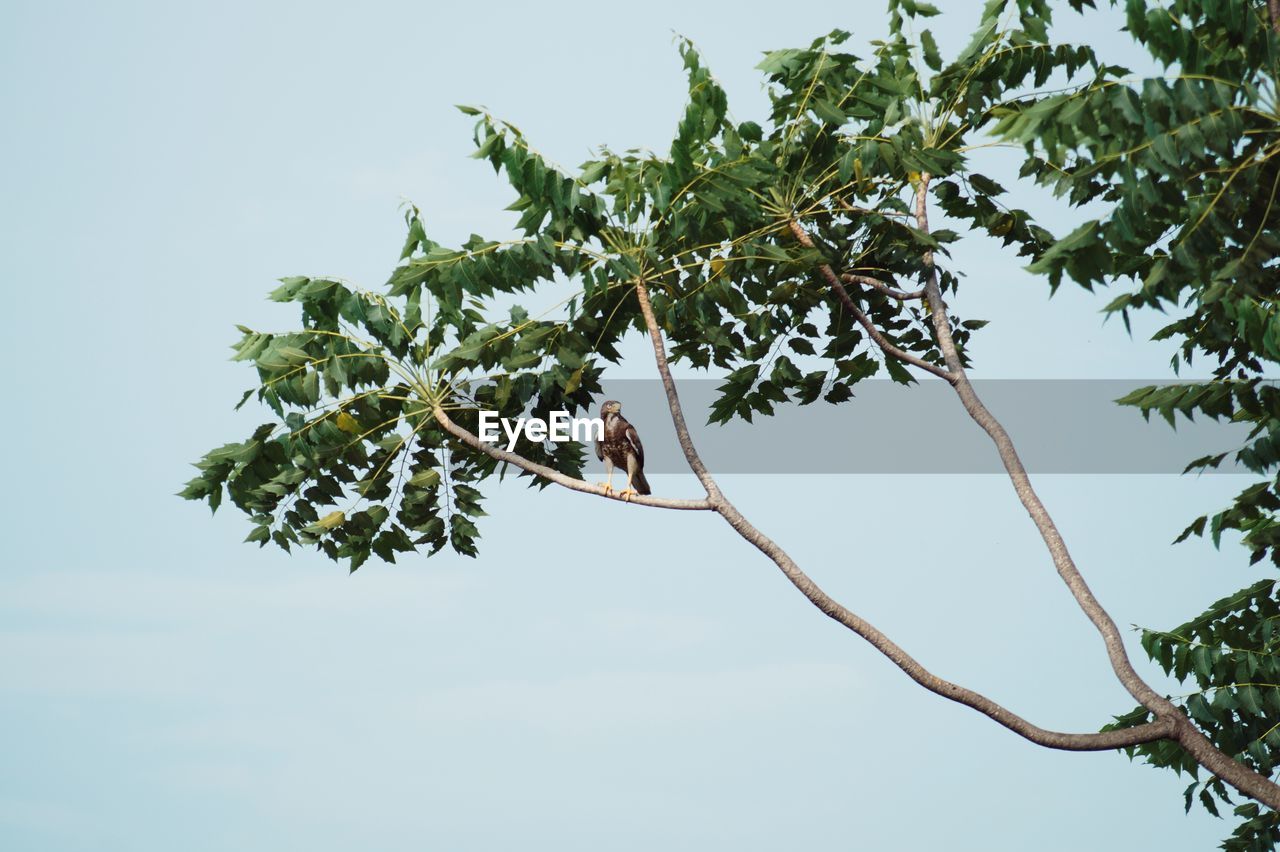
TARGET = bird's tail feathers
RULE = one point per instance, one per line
(639, 483)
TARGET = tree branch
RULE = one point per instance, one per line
(843, 295)
(877, 284)
(1196, 743)
(867, 211)
(1107, 740)
(556, 476)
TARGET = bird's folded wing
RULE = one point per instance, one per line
(633, 438)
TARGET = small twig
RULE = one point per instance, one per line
(877, 284)
(867, 211)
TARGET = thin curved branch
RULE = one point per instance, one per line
(867, 211)
(877, 284)
(1107, 740)
(843, 295)
(1196, 743)
(471, 440)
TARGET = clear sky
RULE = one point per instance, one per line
(603, 676)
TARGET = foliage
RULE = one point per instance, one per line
(1188, 172)
(355, 464)
(1230, 654)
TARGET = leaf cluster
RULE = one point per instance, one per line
(1231, 653)
(354, 462)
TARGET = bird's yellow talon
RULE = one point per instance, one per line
(608, 489)
(626, 493)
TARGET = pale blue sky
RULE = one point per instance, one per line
(603, 677)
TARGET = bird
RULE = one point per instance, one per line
(621, 446)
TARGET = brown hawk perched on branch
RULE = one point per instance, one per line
(621, 446)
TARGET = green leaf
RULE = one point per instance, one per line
(425, 479)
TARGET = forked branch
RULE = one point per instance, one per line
(865, 321)
(836, 611)
(1196, 743)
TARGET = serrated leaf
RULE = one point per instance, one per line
(347, 423)
(425, 479)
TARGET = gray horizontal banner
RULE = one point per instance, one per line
(1058, 426)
